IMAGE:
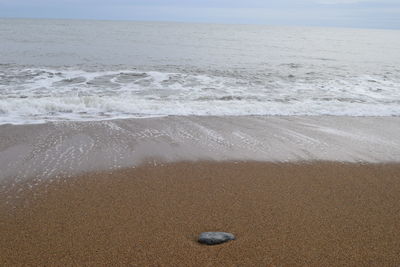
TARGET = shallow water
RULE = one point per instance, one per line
(89, 70)
(48, 150)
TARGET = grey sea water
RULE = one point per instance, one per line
(89, 70)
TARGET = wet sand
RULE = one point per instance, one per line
(314, 214)
(68, 148)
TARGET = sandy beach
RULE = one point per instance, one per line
(319, 214)
(315, 191)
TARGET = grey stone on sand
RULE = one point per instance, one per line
(214, 238)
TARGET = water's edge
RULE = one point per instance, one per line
(68, 148)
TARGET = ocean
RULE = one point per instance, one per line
(77, 70)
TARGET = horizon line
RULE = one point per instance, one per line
(201, 22)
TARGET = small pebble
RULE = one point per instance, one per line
(215, 238)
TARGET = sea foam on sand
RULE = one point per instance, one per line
(69, 148)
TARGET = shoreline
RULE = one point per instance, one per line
(71, 148)
(317, 213)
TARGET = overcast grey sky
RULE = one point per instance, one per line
(341, 13)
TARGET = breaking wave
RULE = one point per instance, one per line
(32, 95)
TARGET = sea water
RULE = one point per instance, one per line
(52, 70)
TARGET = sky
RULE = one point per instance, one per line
(335, 13)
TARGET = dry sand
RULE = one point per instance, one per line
(319, 214)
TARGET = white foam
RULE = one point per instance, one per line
(31, 95)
